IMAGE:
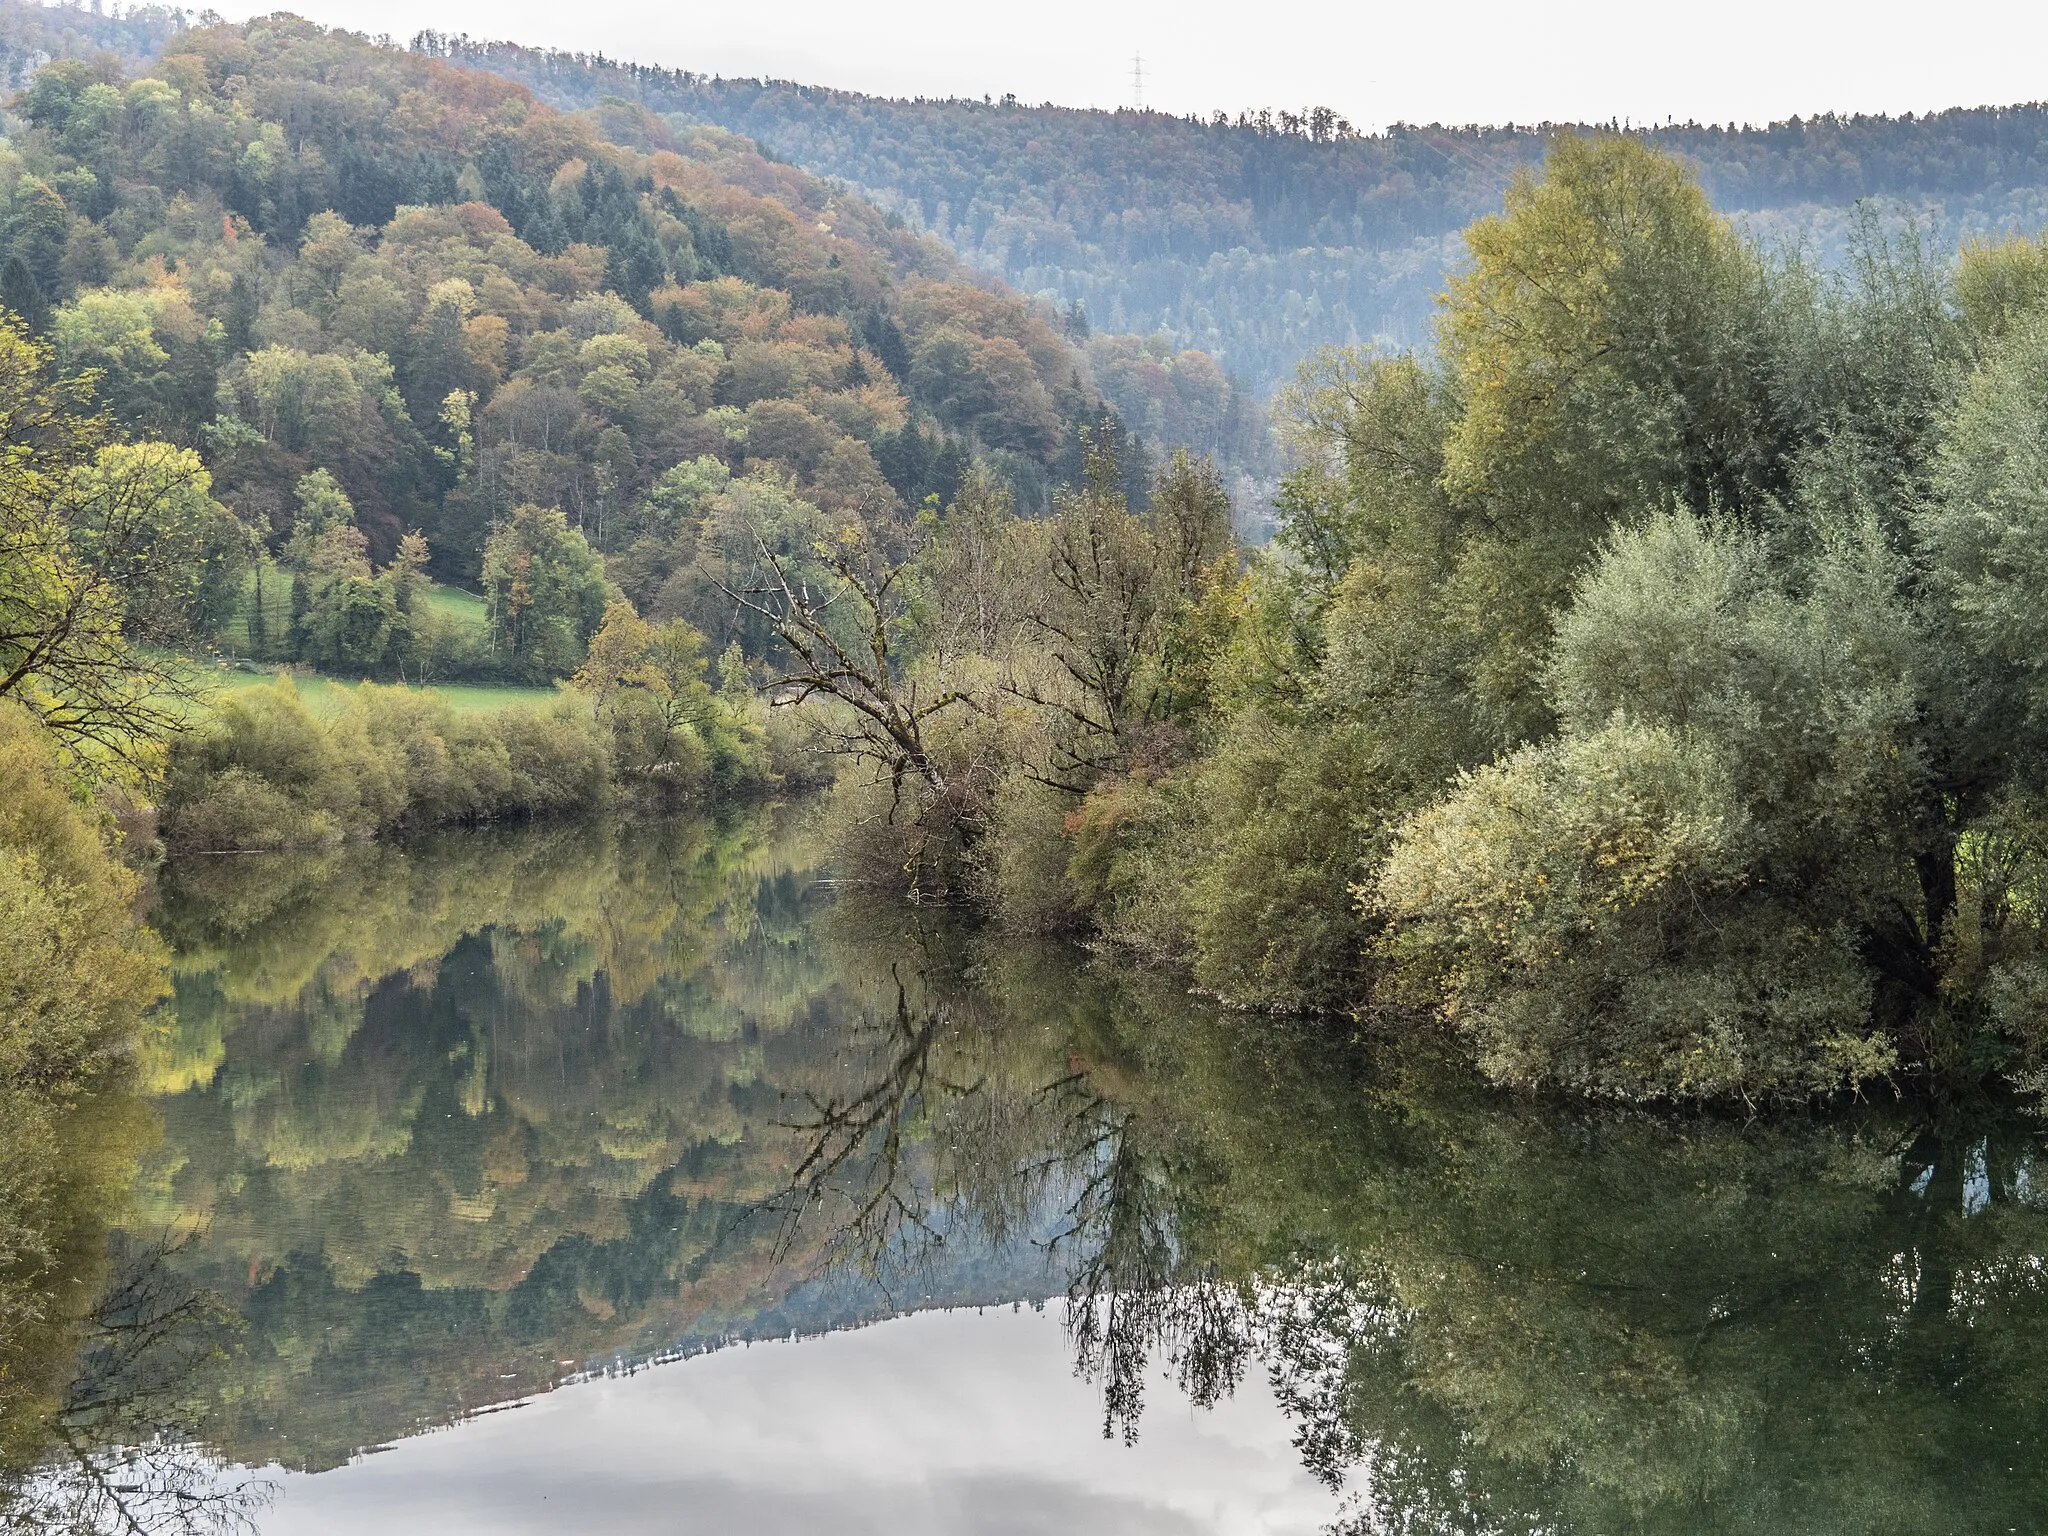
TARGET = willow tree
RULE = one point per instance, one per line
(1606, 350)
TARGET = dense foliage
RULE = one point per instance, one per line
(31, 34)
(265, 771)
(1643, 686)
(315, 333)
(418, 326)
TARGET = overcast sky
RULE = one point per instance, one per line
(1480, 61)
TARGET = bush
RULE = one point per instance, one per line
(560, 759)
(76, 970)
(1292, 817)
(897, 833)
(241, 809)
(1132, 841)
(1583, 905)
(452, 767)
(268, 773)
(1022, 874)
(1683, 892)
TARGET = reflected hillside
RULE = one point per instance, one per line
(450, 1121)
(450, 1118)
(499, 1028)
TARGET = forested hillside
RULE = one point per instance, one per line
(327, 354)
(382, 296)
(310, 254)
(1261, 237)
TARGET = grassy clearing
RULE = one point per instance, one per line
(459, 607)
(262, 623)
(325, 694)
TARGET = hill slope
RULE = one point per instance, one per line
(303, 253)
(1259, 238)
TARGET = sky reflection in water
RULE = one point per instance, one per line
(942, 1422)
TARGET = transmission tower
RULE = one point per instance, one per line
(1138, 81)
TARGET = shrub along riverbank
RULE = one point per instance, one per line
(1646, 687)
(267, 771)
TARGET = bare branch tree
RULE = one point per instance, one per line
(858, 1160)
(840, 637)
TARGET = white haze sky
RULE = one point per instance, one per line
(1475, 61)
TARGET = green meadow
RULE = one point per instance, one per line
(324, 694)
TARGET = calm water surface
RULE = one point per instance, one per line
(618, 1177)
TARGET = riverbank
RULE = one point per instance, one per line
(266, 770)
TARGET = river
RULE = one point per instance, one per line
(626, 1176)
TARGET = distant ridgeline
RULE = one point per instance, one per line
(1260, 238)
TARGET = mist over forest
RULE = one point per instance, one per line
(1259, 236)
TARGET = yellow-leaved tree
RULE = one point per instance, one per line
(1602, 348)
(105, 547)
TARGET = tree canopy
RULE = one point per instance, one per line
(1643, 686)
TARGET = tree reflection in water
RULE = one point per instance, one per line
(122, 1452)
(1486, 1315)
(448, 1123)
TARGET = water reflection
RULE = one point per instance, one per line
(122, 1448)
(1493, 1316)
(106, 1354)
(456, 1118)
(447, 1124)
